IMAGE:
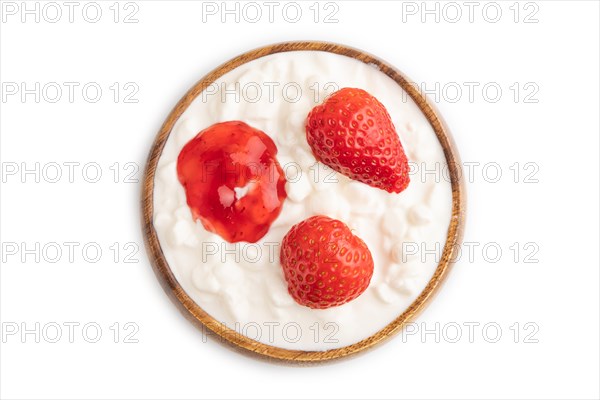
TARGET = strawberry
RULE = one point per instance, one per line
(233, 182)
(324, 264)
(353, 133)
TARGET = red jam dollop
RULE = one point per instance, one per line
(233, 182)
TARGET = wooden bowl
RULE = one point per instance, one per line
(198, 316)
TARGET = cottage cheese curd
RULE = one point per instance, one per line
(242, 284)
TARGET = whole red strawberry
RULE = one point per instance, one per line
(324, 264)
(353, 133)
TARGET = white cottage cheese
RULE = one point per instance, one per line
(242, 284)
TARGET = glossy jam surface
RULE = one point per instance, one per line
(233, 182)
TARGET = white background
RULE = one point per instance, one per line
(170, 48)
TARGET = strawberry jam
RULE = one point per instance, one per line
(232, 180)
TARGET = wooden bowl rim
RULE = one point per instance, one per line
(198, 316)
